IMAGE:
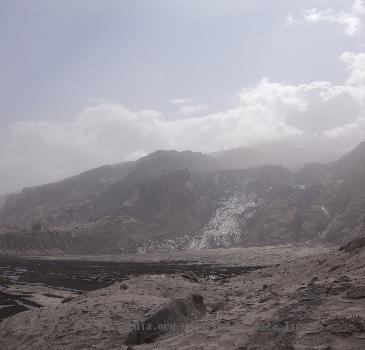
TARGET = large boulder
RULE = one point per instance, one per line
(167, 319)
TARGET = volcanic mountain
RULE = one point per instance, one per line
(187, 200)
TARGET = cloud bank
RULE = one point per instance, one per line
(327, 115)
(187, 108)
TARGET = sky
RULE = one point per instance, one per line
(90, 82)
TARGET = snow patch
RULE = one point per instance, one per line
(224, 229)
(325, 211)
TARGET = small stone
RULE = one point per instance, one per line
(313, 281)
(67, 300)
(342, 278)
(190, 276)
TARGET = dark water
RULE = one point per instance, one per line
(91, 275)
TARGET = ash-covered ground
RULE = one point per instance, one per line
(28, 283)
(308, 298)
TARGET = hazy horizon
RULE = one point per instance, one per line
(274, 147)
(89, 83)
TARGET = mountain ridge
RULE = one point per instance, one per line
(185, 200)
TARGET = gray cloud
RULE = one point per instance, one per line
(327, 114)
(64, 102)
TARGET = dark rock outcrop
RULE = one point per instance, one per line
(354, 245)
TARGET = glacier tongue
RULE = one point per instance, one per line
(224, 229)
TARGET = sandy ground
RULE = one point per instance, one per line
(314, 301)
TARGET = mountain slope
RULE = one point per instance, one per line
(2, 200)
(80, 197)
(187, 200)
(345, 196)
(168, 210)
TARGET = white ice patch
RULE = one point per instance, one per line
(325, 211)
(224, 229)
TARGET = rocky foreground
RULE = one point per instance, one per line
(314, 302)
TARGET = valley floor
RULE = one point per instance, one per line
(250, 256)
(309, 298)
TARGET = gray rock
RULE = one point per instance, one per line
(357, 293)
(167, 319)
(190, 276)
(67, 300)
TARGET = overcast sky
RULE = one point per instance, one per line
(86, 82)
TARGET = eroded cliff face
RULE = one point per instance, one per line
(172, 200)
